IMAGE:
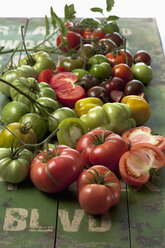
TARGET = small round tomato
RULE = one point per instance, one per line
(119, 57)
(143, 134)
(135, 165)
(142, 56)
(142, 72)
(89, 34)
(122, 71)
(116, 37)
(101, 71)
(134, 87)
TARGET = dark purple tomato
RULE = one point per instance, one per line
(134, 87)
(116, 37)
(114, 83)
(142, 56)
(99, 92)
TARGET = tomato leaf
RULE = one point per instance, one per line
(47, 26)
(97, 10)
(69, 12)
(56, 21)
(110, 4)
(112, 18)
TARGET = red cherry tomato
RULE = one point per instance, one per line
(66, 91)
(120, 57)
(135, 164)
(122, 71)
(89, 34)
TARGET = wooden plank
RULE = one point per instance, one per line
(28, 216)
(147, 207)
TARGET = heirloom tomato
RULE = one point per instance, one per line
(99, 174)
(14, 165)
(102, 147)
(72, 40)
(122, 71)
(120, 56)
(142, 72)
(54, 170)
(143, 134)
(136, 164)
(66, 90)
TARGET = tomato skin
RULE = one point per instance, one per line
(142, 134)
(89, 34)
(122, 71)
(95, 199)
(45, 76)
(142, 72)
(120, 57)
(107, 153)
(135, 164)
(55, 173)
(86, 175)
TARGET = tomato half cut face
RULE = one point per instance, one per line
(142, 134)
(135, 164)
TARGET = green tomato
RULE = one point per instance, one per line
(98, 59)
(15, 168)
(59, 115)
(40, 61)
(11, 75)
(70, 64)
(142, 72)
(13, 111)
(70, 131)
(110, 27)
(49, 105)
(37, 123)
(80, 72)
(32, 88)
(101, 71)
(23, 132)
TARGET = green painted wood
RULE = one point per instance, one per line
(147, 206)
(10, 36)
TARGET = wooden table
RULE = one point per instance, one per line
(32, 219)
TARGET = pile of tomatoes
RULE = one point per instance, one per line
(95, 65)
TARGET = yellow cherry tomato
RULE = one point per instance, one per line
(140, 108)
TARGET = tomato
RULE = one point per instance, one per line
(134, 87)
(66, 91)
(38, 124)
(72, 38)
(80, 72)
(143, 134)
(142, 56)
(119, 57)
(45, 76)
(101, 175)
(102, 147)
(142, 72)
(48, 106)
(55, 170)
(135, 165)
(89, 34)
(23, 132)
(14, 165)
(13, 111)
(116, 37)
(122, 71)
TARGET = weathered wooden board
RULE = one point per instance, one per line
(30, 218)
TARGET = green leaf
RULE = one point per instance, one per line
(110, 4)
(97, 10)
(47, 26)
(112, 18)
(69, 12)
(57, 21)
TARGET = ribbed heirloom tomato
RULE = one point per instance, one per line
(99, 189)
(102, 147)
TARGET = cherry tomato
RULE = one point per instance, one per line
(66, 91)
(142, 56)
(89, 34)
(134, 87)
(135, 164)
(143, 134)
(102, 147)
(115, 37)
(119, 57)
(122, 71)
(114, 83)
(98, 188)
(142, 72)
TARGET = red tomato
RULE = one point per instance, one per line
(122, 71)
(54, 171)
(72, 38)
(143, 134)
(119, 57)
(89, 34)
(98, 188)
(66, 91)
(45, 76)
(102, 147)
(135, 164)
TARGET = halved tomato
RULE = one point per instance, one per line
(45, 76)
(67, 91)
(143, 134)
(135, 165)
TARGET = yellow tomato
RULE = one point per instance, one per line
(141, 110)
